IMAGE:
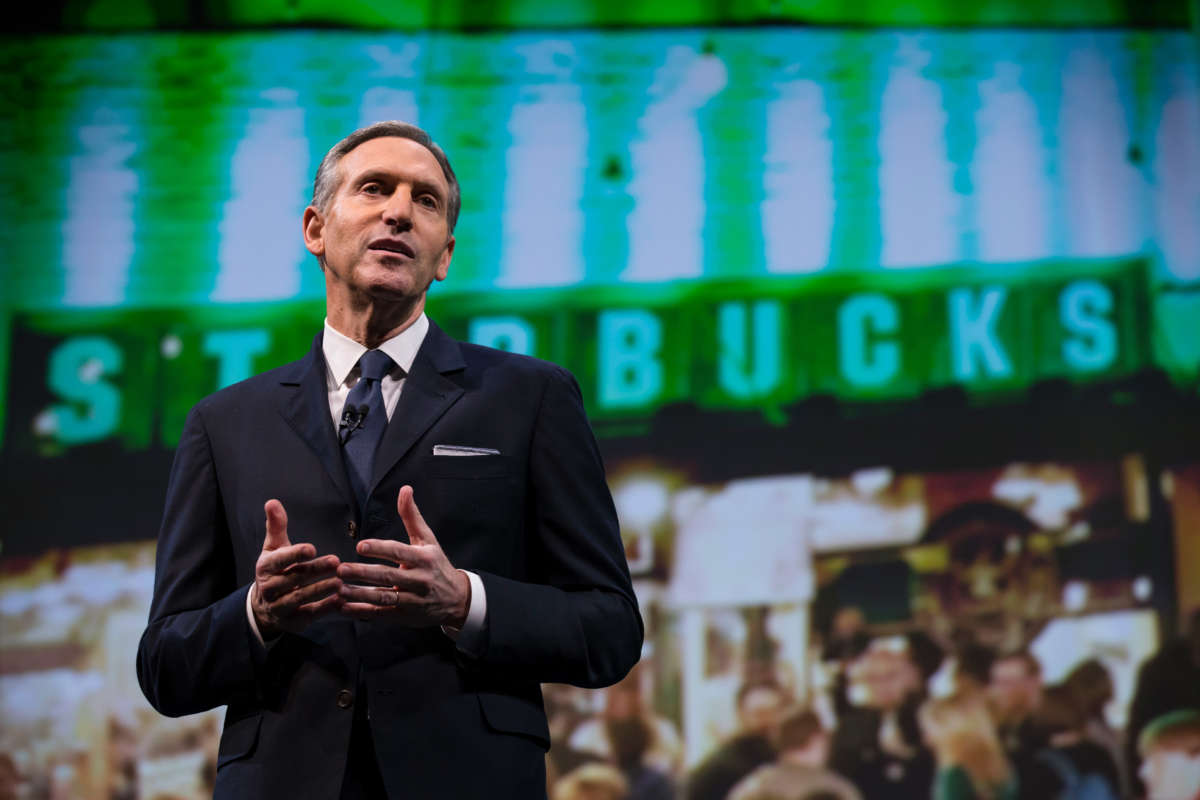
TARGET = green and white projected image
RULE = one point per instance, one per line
(733, 216)
(840, 293)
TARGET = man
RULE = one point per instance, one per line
(439, 535)
(878, 745)
(1167, 681)
(1014, 694)
(1170, 749)
(801, 770)
(624, 702)
(1067, 760)
(1014, 691)
(848, 639)
(758, 708)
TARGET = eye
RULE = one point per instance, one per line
(427, 200)
(372, 187)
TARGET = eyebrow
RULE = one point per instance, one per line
(386, 176)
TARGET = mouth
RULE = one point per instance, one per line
(392, 246)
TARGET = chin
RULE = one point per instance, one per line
(397, 288)
(392, 292)
(387, 279)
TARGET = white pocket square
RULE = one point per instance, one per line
(460, 450)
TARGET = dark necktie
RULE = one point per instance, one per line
(364, 420)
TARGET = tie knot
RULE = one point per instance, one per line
(374, 364)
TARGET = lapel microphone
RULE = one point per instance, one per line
(353, 418)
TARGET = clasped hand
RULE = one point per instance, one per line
(418, 587)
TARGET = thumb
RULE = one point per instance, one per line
(418, 530)
(276, 526)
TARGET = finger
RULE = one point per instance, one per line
(276, 526)
(377, 596)
(369, 574)
(365, 610)
(321, 608)
(324, 564)
(275, 585)
(311, 593)
(274, 562)
(391, 550)
(378, 575)
(418, 531)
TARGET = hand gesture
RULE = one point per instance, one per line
(292, 587)
(423, 588)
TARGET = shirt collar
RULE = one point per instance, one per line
(342, 352)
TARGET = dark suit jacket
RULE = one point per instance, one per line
(724, 768)
(535, 522)
(857, 755)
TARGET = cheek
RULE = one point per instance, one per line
(1176, 774)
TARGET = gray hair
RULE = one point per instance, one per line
(328, 178)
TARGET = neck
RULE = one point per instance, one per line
(1065, 739)
(802, 758)
(1013, 719)
(372, 323)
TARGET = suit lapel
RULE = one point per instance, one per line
(426, 396)
(305, 406)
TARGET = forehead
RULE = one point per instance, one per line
(1164, 760)
(761, 697)
(1010, 668)
(393, 155)
(881, 664)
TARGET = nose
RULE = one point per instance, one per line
(397, 212)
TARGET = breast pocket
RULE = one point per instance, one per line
(476, 500)
(470, 467)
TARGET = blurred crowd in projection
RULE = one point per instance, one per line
(973, 634)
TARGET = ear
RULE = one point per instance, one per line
(443, 268)
(314, 231)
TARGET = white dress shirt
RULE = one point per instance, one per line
(341, 373)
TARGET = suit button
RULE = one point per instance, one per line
(345, 698)
(352, 529)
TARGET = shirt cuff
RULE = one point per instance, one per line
(469, 638)
(253, 622)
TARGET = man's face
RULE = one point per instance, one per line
(888, 678)
(760, 710)
(1171, 775)
(622, 701)
(385, 235)
(819, 748)
(1013, 690)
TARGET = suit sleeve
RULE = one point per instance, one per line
(574, 617)
(196, 652)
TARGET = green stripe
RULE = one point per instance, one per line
(414, 15)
